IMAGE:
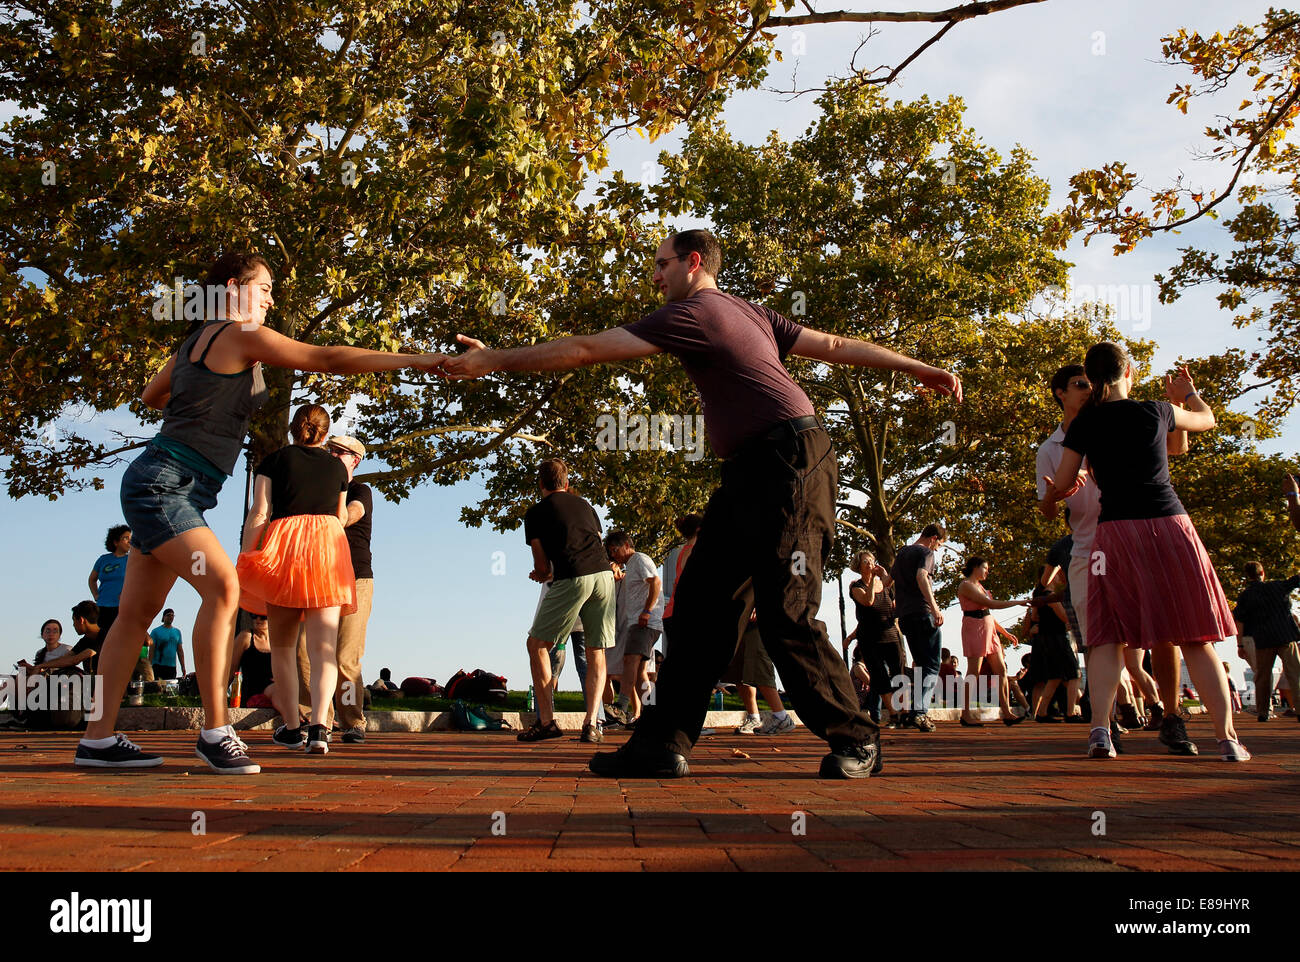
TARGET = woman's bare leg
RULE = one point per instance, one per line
(197, 557)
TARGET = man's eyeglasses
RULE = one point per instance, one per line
(1081, 385)
(661, 263)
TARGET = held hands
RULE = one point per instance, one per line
(1179, 386)
(1053, 495)
(429, 363)
(475, 362)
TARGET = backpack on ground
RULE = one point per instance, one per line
(478, 685)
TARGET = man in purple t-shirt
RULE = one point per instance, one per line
(768, 528)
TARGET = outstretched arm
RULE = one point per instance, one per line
(616, 344)
(821, 346)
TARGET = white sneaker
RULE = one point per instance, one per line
(1099, 744)
(750, 726)
(778, 726)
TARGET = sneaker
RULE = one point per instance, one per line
(1115, 741)
(592, 734)
(15, 723)
(749, 726)
(121, 754)
(778, 726)
(1128, 716)
(354, 736)
(639, 763)
(318, 740)
(922, 722)
(1099, 744)
(1155, 720)
(229, 756)
(1173, 735)
(1233, 751)
(294, 738)
(540, 732)
(852, 761)
(614, 715)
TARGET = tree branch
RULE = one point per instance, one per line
(951, 15)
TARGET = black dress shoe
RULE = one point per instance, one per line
(662, 763)
(852, 761)
(971, 724)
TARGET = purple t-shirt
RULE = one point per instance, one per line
(732, 350)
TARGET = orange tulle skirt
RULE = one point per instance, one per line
(303, 562)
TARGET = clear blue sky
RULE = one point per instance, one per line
(1077, 84)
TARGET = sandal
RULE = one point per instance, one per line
(540, 732)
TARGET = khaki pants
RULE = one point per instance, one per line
(348, 697)
(1290, 655)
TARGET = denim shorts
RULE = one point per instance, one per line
(162, 498)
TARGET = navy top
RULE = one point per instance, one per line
(1124, 442)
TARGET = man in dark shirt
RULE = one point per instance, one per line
(919, 616)
(775, 509)
(1263, 613)
(563, 532)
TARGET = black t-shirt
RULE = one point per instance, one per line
(569, 531)
(732, 350)
(875, 621)
(88, 643)
(1124, 442)
(907, 563)
(304, 481)
(359, 533)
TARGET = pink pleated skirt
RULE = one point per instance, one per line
(1150, 581)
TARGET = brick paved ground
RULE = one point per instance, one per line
(1002, 799)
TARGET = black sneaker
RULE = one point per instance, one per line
(318, 740)
(354, 736)
(1156, 719)
(852, 761)
(293, 738)
(121, 754)
(1173, 735)
(1115, 740)
(922, 722)
(623, 763)
(591, 734)
(228, 756)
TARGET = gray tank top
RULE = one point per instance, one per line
(209, 412)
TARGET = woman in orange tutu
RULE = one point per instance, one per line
(296, 567)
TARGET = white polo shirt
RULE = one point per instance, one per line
(1084, 504)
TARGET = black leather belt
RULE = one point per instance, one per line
(793, 426)
(977, 613)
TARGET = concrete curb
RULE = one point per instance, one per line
(266, 719)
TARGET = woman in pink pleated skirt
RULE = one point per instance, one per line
(1151, 580)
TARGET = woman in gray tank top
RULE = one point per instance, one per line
(208, 392)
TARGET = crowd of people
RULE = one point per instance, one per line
(1131, 588)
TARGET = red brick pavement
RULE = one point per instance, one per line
(1018, 799)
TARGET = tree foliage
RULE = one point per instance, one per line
(1260, 276)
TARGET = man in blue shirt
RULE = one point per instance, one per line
(167, 648)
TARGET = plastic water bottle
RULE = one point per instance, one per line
(532, 700)
(717, 700)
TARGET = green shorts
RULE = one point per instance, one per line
(588, 596)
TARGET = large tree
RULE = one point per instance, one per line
(403, 163)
